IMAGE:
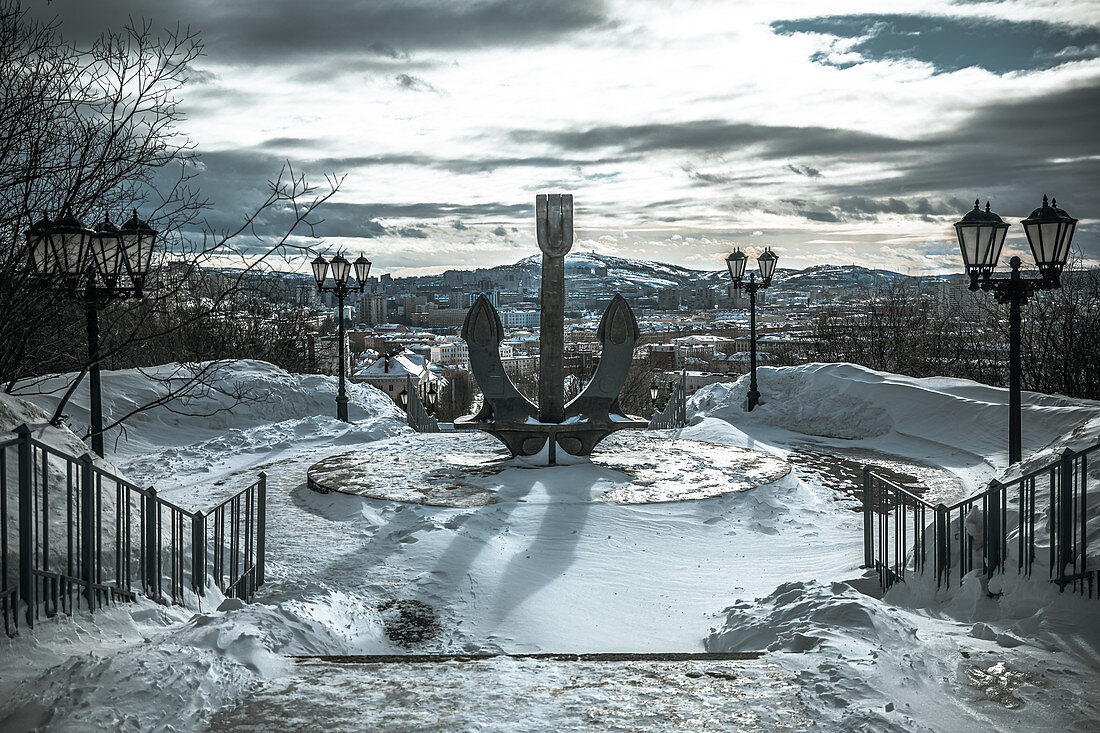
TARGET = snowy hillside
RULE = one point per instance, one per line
(621, 270)
(563, 560)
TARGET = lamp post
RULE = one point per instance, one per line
(735, 263)
(654, 392)
(341, 270)
(981, 237)
(431, 397)
(94, 267)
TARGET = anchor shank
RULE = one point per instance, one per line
(552, 340)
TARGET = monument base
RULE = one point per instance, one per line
(530, 438)
(469, 470)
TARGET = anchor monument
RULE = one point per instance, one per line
(576, 427)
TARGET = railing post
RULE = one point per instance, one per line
(942, 546)
(25, 455)
(868, 519)
(198, 553)
(992, 541)
(1065, 552)
(87, 529)
(261, 526)
(149, 544)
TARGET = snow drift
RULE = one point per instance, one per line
(851, 402)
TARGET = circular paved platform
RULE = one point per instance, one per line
(473, 469)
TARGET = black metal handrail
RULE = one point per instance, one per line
(416, 414)
(674, 414)
(902, 531)
(79, 534)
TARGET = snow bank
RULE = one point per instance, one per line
(240, 395)
(850, 402)
(865, 665)
(248, 414)
(15, 412)
(97, 678)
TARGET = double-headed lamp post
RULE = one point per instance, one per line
(736, 265)
(341, 271)
(428, 394)
(981, 236)
(94, 267)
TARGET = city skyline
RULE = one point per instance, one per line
(682, 129)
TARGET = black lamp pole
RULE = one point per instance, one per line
(736, 265)
(341, 269)
(94, 267)
(981, 237)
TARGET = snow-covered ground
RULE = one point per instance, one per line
(548, 567)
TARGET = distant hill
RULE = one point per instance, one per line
(659, 275)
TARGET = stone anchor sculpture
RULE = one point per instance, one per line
(594, 414)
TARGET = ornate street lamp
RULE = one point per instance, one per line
(981, 237)
(341, 270)
(95, 267)
(735, 263)
(654, 392)
(431, 398)
(403, 398)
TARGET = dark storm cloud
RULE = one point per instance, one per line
(715, 136)
(458, 165)
(1016, 150)
(415, 84)
(346, 219)
(280, 143)
(273, 30)
(804, 170)
(950, 44)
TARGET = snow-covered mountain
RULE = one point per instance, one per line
(619, 271)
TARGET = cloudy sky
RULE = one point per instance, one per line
(834, 132)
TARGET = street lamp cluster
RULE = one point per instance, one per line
(735, 263)
(427, 392)
(981, 237)
(94, 267)
(341, 272)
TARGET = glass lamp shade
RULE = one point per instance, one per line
(432, 395)
(654, 390)
(341, 268)
(320, 270)
(137, 238)
(362, 270)
(981, 237)
(735, 263)
(1049, 232)
(107, 251)
(766, 261)
(38, 245)
(68, 245)
(403, 397)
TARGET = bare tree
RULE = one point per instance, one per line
(95, 130)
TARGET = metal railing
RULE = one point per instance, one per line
(904, 534)
(416, 414)
(674, 414)
(72, 534)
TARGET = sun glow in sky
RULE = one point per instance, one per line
(836, 133)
